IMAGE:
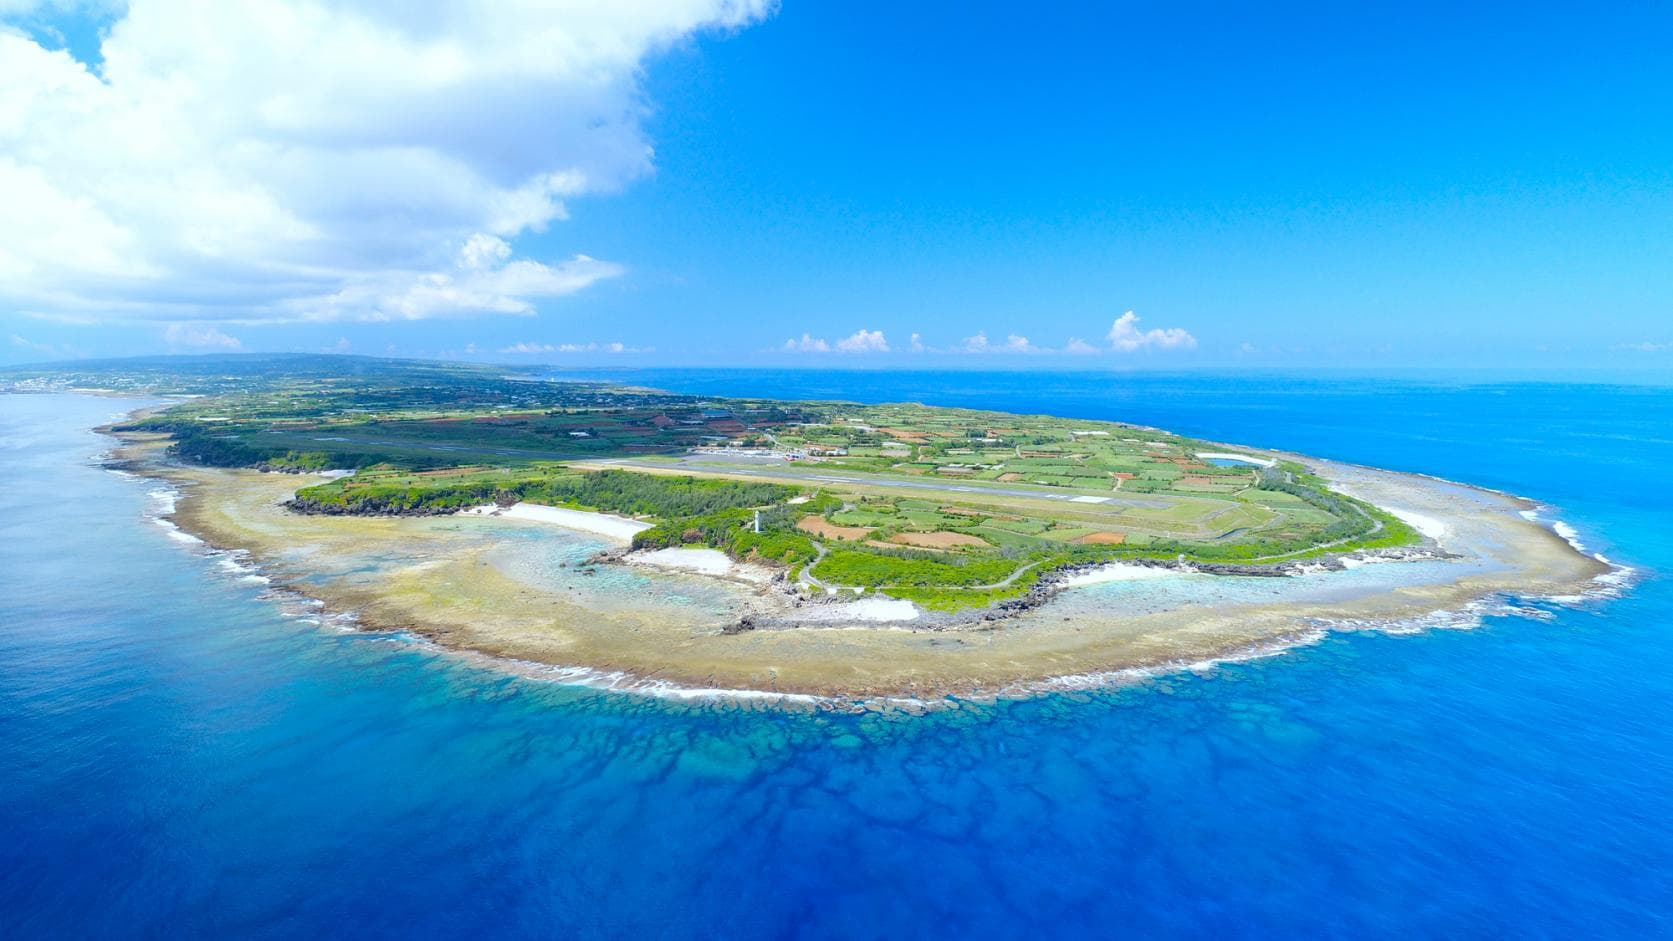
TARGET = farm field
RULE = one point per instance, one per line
(950, 507)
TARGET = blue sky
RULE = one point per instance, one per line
(1292, 186)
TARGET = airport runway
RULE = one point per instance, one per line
(777, 472)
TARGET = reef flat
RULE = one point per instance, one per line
(642, 539)
(529, 592)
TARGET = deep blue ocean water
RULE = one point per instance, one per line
(178, 758)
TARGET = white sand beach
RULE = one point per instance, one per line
(1427, 525)
(877, 610)
(702, 562)
(1240, 458)
(601, 524)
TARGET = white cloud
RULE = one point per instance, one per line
(918, 343)
(807, 344)
(1645, 347)
(199, 337)
(481, 281)
(616, 347)
(1126, 337)
(860, 341)
(864, 341)
(1079, 347)
(301, 160)
(1014, 343)
(34, 346)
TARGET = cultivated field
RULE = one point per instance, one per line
(947, 506)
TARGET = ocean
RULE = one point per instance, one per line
(184, 755)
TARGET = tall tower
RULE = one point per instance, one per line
(758, 521)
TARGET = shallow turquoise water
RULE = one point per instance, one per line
(1175, 591)
(178, 756)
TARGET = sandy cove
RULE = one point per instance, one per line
(452, 581)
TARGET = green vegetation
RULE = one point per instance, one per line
(949, 507)
(610, 491)
(733, 532)
(892, 568)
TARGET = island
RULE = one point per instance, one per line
(641, 539)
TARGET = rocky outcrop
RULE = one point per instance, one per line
(368, 507)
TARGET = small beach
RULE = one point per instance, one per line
(618, 528)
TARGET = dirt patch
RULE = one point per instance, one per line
(449, 471)
(820, 526)
(967, 511)
(1009, 476)
(1102, 539)
(902, 435)
(940, 539)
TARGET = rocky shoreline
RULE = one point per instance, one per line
(316, 508)
(1052, 584)
(1049, 585)
(447, 588)
(1044, 590)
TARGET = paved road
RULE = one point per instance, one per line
(446, 448)
(778, 473)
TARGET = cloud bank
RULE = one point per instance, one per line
(1125, 336)
(526, 348)
(860, 341)
(199, 337)
(864, 341)
(297, 160)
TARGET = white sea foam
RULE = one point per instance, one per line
(1610, 584)
(1313, 568)
(619, 681)
(1613, 583)
(1119, 572)
(1569, 534)
(162, 507)
(164, 498)
(178, 535)
(1128, 676)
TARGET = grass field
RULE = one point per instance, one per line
(904, 498)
